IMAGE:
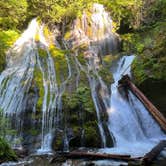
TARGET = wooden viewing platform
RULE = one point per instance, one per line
(126, 83)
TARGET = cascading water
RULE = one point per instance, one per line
(48, 107)
(16, 80)
(93, 82)
(96, 33)
(23, 59)
(134, 130)
(99, 40)
(129, 123)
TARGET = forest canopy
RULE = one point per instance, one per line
(15, 14)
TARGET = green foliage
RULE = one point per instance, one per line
(154, 11)
(38, 80)
(42, 53)
(3, 121)
(4, 126)
(81, 99)
(33, 132)
(132, 42)
(151, 62)
(12, 13)
(6, 153)
(81, 59)
(7, 38)
(54, 11)
(60, 63)
(92, 137)
(106, 75)
(125, 11)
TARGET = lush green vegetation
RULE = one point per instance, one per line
(125, 13)
(56, 11)
(149, 43)
(142, 28)
(7, 38)
(13, 13)
(6, 153)
(81, 115)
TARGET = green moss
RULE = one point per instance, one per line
(42, 53)
(106, 75)
(132, 42)
(46, 32)
(33, 132)
(81, 59)
(151, 61)
(6, 153)
(92, 137)
(7, 39)
(38, 80)
(107, 60)
(67, 35)
(139, 73)
(60, 63)
(58, 142)
(81, 99)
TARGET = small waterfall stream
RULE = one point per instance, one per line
(134, 130)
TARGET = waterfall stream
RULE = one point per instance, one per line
(134, 130)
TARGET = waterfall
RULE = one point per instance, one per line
(16, 79)
(95, 33)
(129, 123)
(134, 129)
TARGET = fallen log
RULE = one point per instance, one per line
(149, 157)
(126, 83)
(94, 156)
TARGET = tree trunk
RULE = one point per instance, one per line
(149, 157)
(126, 83)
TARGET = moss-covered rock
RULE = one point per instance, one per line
(106, 75)
(60, 63)
(38, 81)
(92, 136)
(81, 117)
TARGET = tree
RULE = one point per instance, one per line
(56, 11)
(12, 14)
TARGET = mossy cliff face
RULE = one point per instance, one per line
(78, 120)
(149, 67)
(151, 62)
